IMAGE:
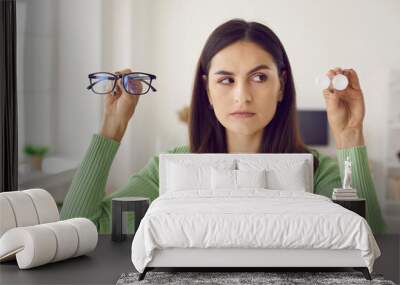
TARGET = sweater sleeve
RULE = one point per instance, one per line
(86, 196)
(362, 181)
(329, 175)
(86, 191)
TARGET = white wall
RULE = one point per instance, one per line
(79, 52)
(36, 51)
(58, 45)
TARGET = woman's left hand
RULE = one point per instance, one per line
(345, 110)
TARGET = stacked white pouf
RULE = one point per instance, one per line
(31, 231)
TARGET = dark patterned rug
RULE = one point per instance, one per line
(225, 278)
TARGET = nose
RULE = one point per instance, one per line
(242, 93)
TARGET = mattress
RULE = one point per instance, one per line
(250, 219)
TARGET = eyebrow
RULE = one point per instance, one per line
(258, 67)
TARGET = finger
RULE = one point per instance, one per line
(119, 85)
(331, 100)
(135, 85)
(117, 90)
(126, 96)
(328, 94)
(120, 88)
(113, 95)
(331, 73)
(353, 78)
(338, 70)
(123, 71)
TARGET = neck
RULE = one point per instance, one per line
(238, 143)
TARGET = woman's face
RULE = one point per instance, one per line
(244, 78)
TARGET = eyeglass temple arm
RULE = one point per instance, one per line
(91, 86)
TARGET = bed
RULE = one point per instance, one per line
(245, 211)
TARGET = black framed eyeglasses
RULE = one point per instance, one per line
(134, 83)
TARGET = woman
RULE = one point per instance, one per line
(243, 101)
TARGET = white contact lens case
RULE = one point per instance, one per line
(339, 82)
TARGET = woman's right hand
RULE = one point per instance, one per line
(119, 107)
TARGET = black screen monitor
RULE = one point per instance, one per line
(313, 127)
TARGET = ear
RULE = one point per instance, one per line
(282, 80)
(205, 82)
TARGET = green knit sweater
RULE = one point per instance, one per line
(86, 196)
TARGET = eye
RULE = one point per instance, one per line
(262, 77)
(224, 81)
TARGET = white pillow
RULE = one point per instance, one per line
(251, 178)
(282, 175)
(184, 175)
(290, 179)
(223, 179)
(236, 179)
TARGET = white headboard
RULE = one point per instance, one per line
(210, 157)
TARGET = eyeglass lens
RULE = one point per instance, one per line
(137, 83)
(102, 83)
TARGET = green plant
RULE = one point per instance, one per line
(30, 149)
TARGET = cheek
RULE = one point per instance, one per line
(266, 108)
(221, 110)
(268, 114)
(220, 95)
(222, 102)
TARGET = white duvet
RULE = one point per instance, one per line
(250, 218)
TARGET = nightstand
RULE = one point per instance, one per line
(357, 205)
(138, 205)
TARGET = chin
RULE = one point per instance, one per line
(243, 130)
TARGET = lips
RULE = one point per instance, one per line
(242, 114)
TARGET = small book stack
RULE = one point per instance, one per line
(344, 194)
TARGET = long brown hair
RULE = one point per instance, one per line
(206, 133)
